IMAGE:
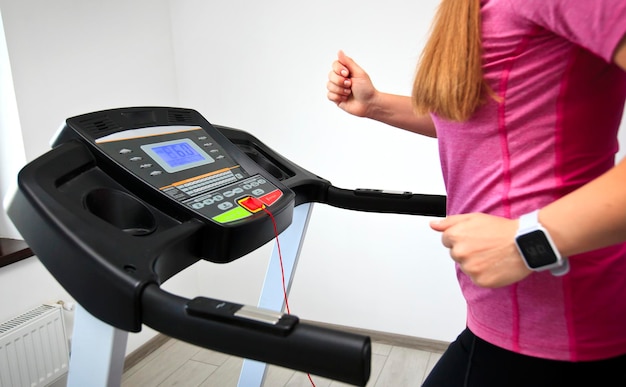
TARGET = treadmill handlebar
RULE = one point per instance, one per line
(373, 200)
(259, 334)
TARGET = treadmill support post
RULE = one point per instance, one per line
(272, 296)
(97, 354)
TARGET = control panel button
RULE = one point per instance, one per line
(252, 204)
(236, 213)
(271, 197)
(225, 206)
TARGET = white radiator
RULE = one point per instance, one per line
(33, 348)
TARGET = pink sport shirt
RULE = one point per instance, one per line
(556, 129)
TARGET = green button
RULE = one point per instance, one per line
(232, 215)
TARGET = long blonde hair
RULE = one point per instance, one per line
(449, 80)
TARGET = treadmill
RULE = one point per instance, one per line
(129, 197)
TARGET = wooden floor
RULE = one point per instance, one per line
(177, 363)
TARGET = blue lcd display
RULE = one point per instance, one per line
(177, 155)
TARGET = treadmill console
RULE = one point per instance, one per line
(187, 167)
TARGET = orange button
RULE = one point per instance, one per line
(252, 204)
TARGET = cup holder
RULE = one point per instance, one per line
(120, 210)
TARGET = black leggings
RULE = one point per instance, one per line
(472, 362)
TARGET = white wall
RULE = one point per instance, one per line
(262, 67)
(68, 58)
(12, 155)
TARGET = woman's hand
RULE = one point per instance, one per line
(350, 87)
(484, 247)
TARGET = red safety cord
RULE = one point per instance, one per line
(280, 257)
(282, 270)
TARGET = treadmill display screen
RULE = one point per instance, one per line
(177, 155)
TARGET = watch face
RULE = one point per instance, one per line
(536, 249)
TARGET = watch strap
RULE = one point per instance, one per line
(528, 222)
(562, 269)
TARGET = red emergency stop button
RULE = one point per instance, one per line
(251, 204)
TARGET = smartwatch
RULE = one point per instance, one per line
(537, 248)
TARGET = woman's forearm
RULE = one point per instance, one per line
(397, 111)
(592, 217)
